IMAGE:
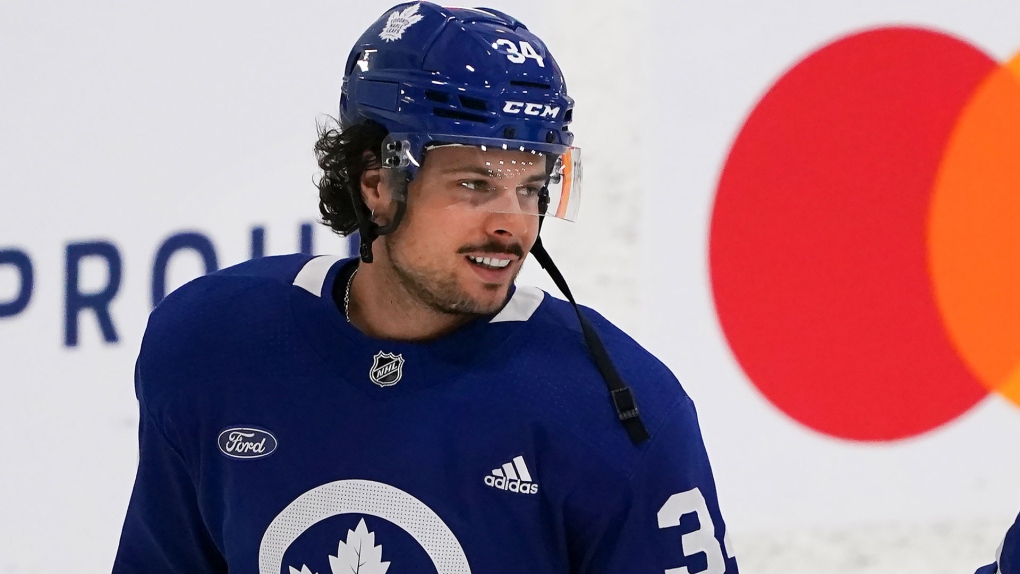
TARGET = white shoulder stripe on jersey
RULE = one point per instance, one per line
(521, 306)
(313, 274)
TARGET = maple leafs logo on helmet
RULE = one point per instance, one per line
(399, 21)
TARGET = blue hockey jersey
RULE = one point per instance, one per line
(277, 438)
(1008, 559)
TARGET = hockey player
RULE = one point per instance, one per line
(1008, 559)
(413, 410)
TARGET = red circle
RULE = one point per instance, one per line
(818, 237)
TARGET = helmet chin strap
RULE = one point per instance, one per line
(623, 399)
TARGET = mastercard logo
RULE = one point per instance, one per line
(865, 237)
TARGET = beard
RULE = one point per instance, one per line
(439, 290)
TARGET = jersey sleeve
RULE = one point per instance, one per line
(163, 530)
(1008, 559)
(666, 516)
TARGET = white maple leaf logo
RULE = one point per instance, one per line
(359, 555)
(400, 21)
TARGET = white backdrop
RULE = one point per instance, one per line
(125, 124)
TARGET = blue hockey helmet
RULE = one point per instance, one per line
(434, 76)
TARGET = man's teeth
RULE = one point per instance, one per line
(490, 261)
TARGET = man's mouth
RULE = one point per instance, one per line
(489, 262)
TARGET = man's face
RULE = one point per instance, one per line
(471, 219)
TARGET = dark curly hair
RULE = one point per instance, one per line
(341, 154)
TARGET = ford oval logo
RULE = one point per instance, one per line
(243, 442)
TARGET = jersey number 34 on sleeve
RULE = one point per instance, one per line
(701, 540)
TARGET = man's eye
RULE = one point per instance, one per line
(476, 185)
(530, 190)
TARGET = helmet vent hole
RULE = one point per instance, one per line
(526, 84)
(352, 63)
(569, 115)
(437, 96)
(459, 115)
(473, 103)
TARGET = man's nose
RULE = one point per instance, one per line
(507, 217)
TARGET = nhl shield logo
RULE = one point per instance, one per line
(387, 369)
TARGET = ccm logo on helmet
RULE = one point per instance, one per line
(529, 109)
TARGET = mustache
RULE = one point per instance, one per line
(495, 248)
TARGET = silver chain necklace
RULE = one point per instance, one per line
(347, 296)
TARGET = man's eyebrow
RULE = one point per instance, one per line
(468, 169)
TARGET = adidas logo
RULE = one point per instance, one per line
(513, 476)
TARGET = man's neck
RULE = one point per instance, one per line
(381, 307)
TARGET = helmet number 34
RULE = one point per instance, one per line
(519, 54)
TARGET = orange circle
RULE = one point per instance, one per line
(974, 233)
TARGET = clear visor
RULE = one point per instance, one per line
(506, 177)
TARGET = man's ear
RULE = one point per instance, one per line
(371, 189)
(375, 192)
